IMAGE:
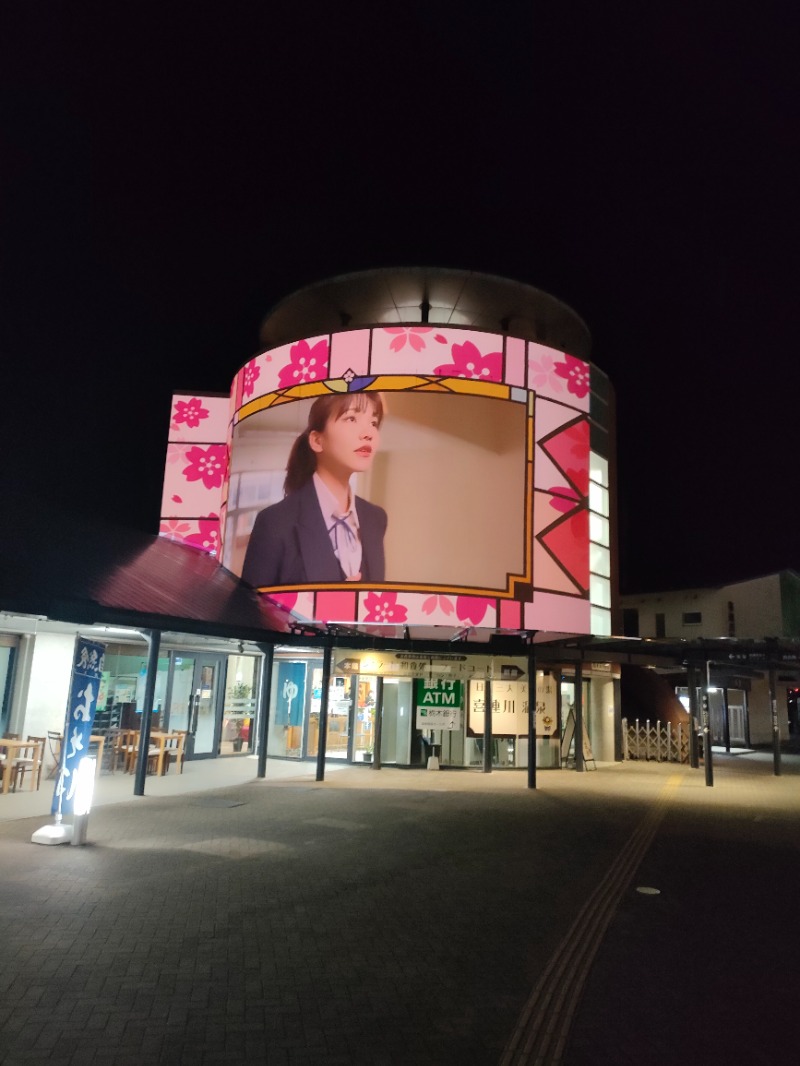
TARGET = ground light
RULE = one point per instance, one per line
(59, 833)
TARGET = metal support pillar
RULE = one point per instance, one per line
(376, 744)
(776, 731)
(707, 756)
(618, 749)
(265, 699)
(487, 726)
(322, 742)
(153, 638)
(531, 719)
(694, 716)
(580, 765)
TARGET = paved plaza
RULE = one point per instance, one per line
(399, 917)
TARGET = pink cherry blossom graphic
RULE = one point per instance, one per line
(250, 375)
(176, 498)
(410, 334)
(469, 363)
(209, 465)
(542, 373)
(432, 602)
(207, 536)
(576, 374)
(189, 412)
(306, 364)
(472, 609)
(564, 499)
(283, 599)
(174, 529)
(383, 607)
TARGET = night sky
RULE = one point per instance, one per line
(169, 175)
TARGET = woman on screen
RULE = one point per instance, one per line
(320, 532)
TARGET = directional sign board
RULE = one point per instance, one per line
(417, 664)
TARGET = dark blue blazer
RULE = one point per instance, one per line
(290, 545)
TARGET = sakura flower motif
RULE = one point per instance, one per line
(306, 364)
(250, 375)
(176, 498)
(469, 363)
(407, 334)
(174, 529)
(283, 599)
(472, 609)
(348, 376)
(576, 374)
(430, 605)
(207, 536)
(383, 607)
(209, 465)
(542, 374)
(190, 412)
(563, 499)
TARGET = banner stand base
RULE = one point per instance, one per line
(53, 834)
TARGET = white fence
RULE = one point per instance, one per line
(657, 741)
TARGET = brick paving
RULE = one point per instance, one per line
(386, 918)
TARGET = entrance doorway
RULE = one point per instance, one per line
(195, 701)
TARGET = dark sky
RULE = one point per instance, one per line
(168, 175)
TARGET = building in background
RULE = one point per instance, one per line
(496, 469)
(763, 610)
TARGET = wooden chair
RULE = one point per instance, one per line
(29, 760)
(112, 755)
(54, 742)
(129, 745)
(175, 751)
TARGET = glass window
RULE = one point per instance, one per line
(598, 469)
(600, 591)
(601, 622)
(598, 498)
(598, 529)
(599, 560)
(240, 705)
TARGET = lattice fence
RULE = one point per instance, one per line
(657, 741)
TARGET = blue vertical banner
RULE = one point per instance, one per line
(87, 671)
(291, 696)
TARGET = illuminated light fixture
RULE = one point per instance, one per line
(84, 792)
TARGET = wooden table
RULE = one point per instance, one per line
(10, 748)
(98, 739)
(161, 741)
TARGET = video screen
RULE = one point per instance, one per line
(408, 488)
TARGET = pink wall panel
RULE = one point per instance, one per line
(560, 614)
(558, 376)
(350, 351)
(515, 361)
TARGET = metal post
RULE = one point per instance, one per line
(618, 741)
(776, 732)
(726, 725)
(153, 638)
(376, 743)
(579, 763)
(531, 719)
(264, 701)
(322, 744)
(487, 726)
(691, 681)
(707, 758)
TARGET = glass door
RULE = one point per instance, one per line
(196, 702)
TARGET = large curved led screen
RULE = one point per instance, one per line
(446, 478)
